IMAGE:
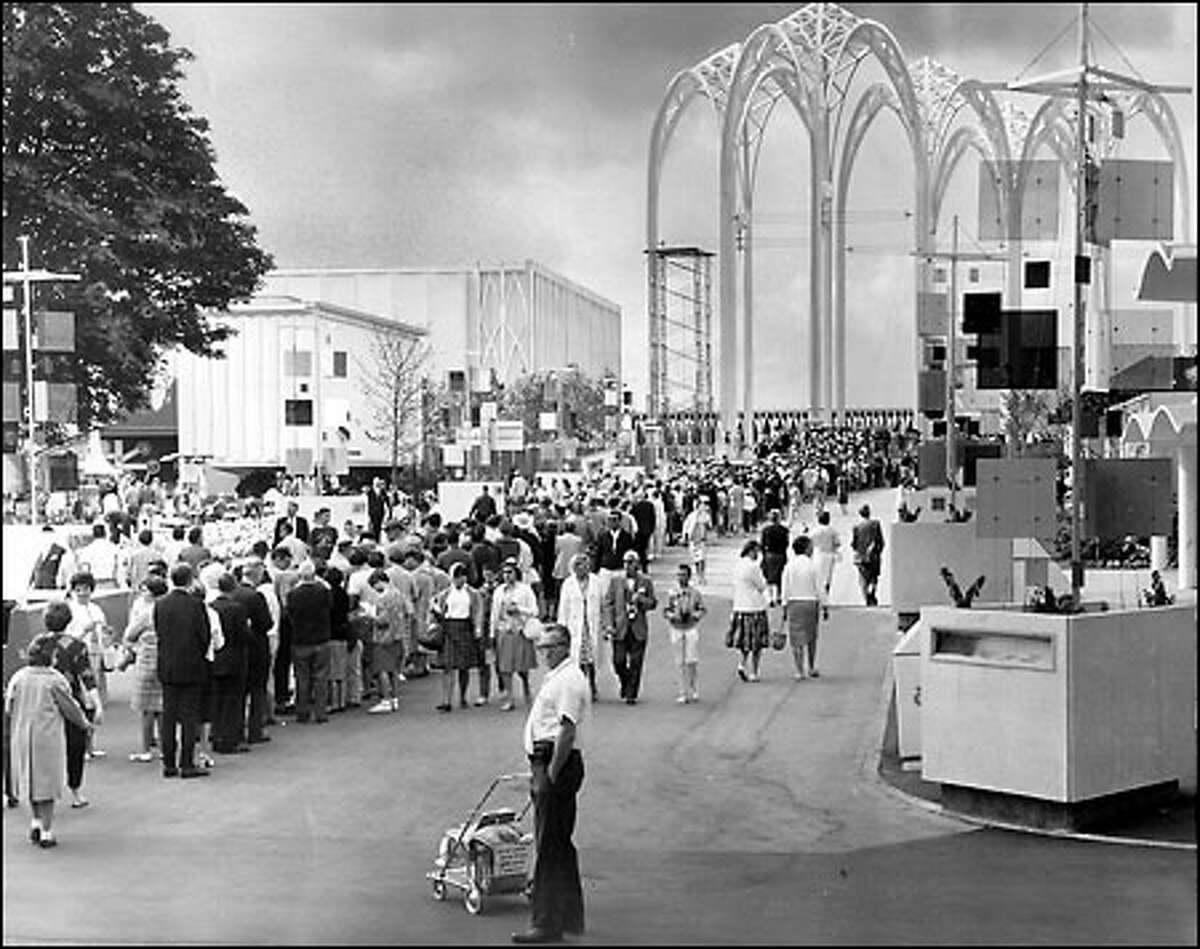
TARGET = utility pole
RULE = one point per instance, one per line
(27, 277)
(1082, 275)
(1074, 84)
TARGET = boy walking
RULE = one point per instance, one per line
(684, 610)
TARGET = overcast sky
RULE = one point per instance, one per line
(411, 135)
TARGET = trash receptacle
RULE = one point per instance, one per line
(906, 667)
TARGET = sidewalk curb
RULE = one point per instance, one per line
(873, 766)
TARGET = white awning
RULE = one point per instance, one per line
(94, 464)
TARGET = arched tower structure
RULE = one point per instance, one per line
(810, 58)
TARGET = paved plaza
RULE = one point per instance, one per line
(755, 816)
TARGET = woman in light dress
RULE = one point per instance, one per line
(826, 550)
(696, 529)
(147, 697)
(514, 607)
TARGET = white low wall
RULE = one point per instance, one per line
(23, 543)
(1061, 708)
(456, 497)
(342, 507)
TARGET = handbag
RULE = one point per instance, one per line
(779, 638)
(113, 658)
(433, 638)
(532, 629)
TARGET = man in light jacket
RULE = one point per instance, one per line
(580, 609)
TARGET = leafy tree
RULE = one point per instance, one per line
(1027, 415)
(578, 398)
(396, 394)
(111, 174)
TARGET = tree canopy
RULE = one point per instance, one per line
(578, 398)
(111, 174)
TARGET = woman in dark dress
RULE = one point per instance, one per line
(339, 638)
(459, 611)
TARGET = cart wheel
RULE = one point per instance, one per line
(473, 900)
(439, 890)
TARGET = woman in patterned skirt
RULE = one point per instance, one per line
(459, 610)
(147, 697)
(749, 631)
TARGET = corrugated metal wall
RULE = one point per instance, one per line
(513, 319)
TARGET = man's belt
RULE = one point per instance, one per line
(543, 751)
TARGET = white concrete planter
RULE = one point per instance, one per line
(1059, 708)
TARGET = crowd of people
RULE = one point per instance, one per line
(238, 619)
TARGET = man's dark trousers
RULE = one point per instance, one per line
(229, 712)
(628, 653)
(257, 673)
(557, 890)
(283, 663)
(181, 706)
(312, 680)
(868, 578)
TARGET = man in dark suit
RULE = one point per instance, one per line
(310, 607)
(299, 524)
(323, 537)
(379, 507)
(258, 662)
(612, 545)
(776, 538)
(867, 542)
(629, 597)
(643, 515)
(483, 507)
(229, 670)
(181, 624)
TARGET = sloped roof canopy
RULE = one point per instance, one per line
(1170, 275)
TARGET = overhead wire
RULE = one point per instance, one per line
(1117, 49)
(1047, 48)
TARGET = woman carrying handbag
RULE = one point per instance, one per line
(457, 615)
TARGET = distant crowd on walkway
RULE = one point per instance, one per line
(236, 622)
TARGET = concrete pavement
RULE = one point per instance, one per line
(754, 816)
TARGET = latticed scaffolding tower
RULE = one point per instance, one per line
(680, 295)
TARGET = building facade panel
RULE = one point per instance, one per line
(290, 389)
(511, 319)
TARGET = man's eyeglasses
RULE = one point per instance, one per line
(546, 646)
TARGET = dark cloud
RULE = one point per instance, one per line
(419, 134)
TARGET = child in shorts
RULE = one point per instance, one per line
(684, 610)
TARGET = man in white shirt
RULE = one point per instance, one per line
(103, 559)
(554, 734)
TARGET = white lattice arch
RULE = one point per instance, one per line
(704, 80)
(710, 79)
(811, 57)
(820, 47)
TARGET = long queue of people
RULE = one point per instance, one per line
(233, 626)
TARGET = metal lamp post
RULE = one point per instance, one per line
(27, 277)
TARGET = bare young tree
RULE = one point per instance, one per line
(392, 375)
